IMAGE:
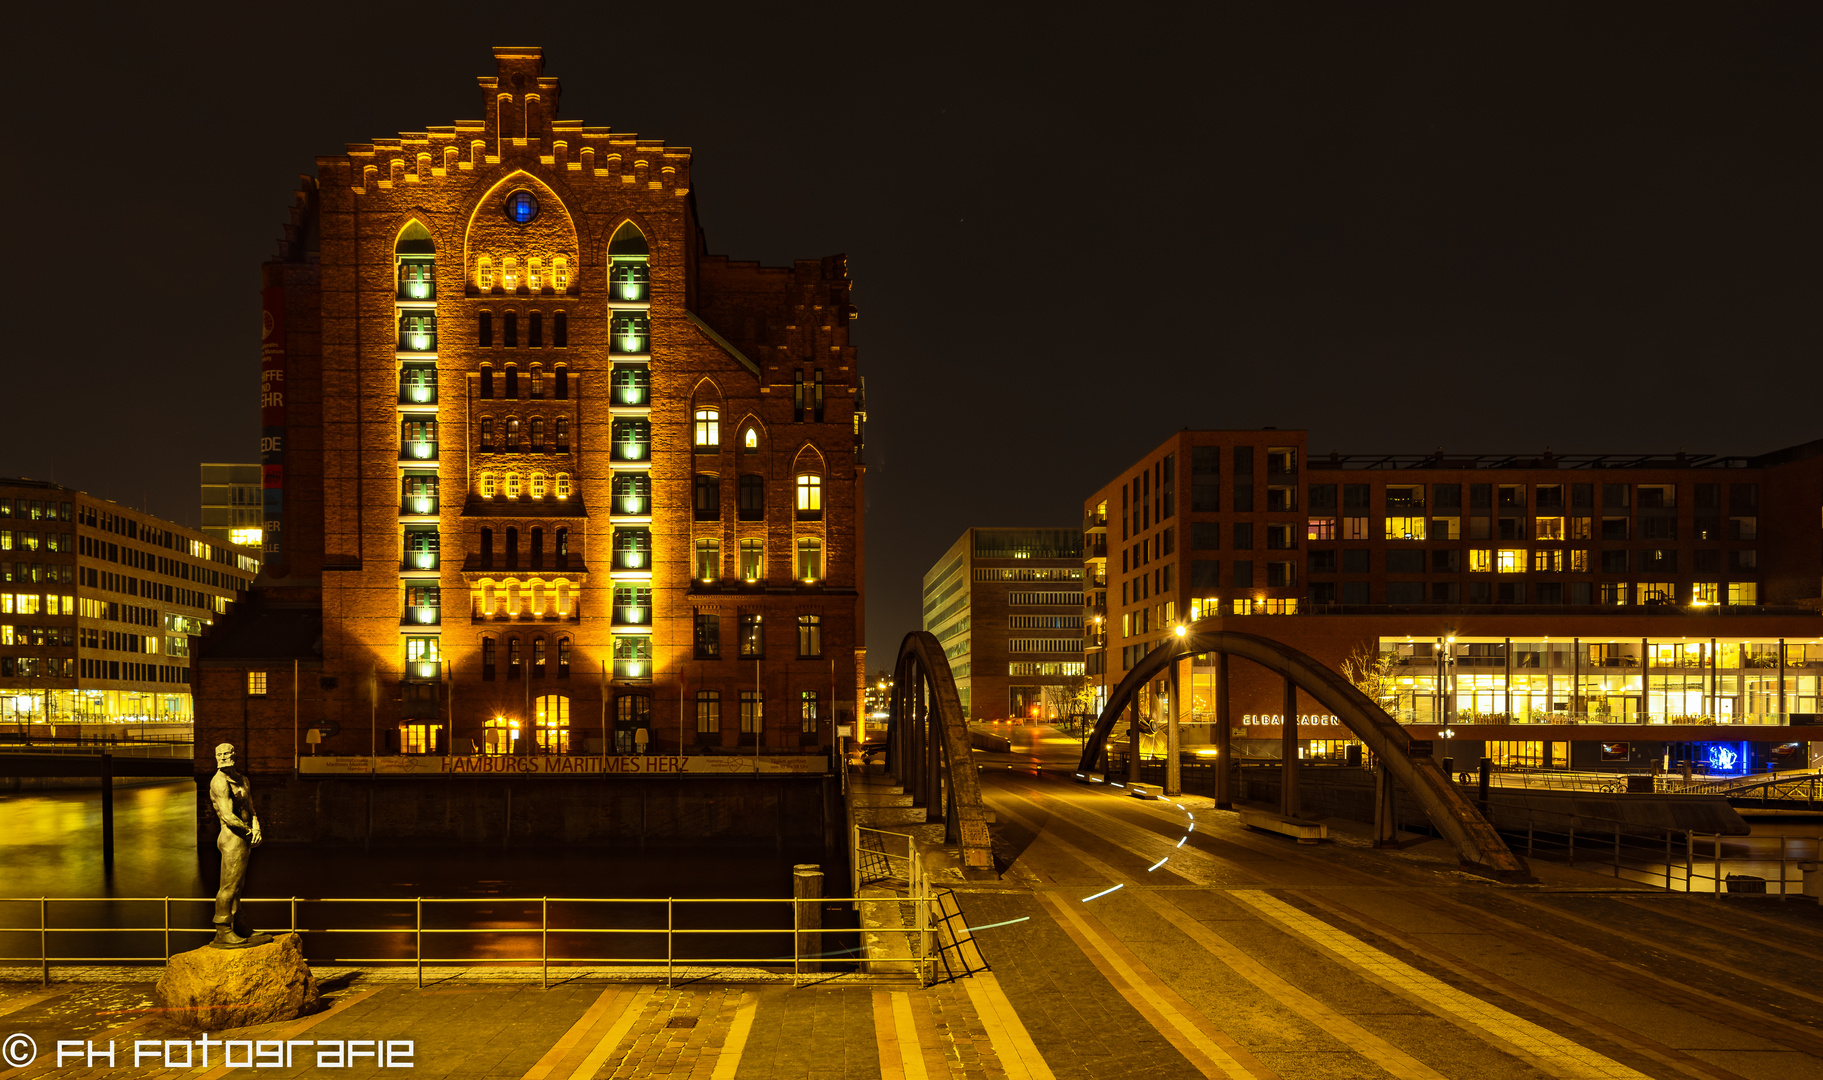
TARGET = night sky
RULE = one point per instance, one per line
(1073, 229)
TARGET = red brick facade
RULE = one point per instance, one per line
(461, 427)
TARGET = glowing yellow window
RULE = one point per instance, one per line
(708, 430)
(1510, 561)
(563, 485)
(533, 273)
(1579, 560)
(487, 485)
(560, 274)
(484, 273)
(1405, 528)
(1481, 561)
(1743, 592)
(537, 485)
(751, 440)
(512, 485)
(1706, 593)
(810, 493)
(1546, 560)
(1547, 528)
(509, 273)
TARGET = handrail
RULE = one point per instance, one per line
(543, 927)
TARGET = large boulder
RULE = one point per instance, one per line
(215, 989)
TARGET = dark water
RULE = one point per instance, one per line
(50, 847)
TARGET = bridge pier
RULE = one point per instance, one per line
(1386, 809)
(1289, 801)
(1224, 737)
(1174, 770)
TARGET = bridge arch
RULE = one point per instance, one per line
(929, 753)
(1455, 817)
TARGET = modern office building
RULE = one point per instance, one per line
(541, 476)
(232, 510)
(1007, 607)
(1661, 606)
(100, 605)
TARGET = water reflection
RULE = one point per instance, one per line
(50, 845)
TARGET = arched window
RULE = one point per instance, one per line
(512, 426)
(560, 338)
(563, 485)
(512, 374)
(537, 422)
(563, 548)
(512, 485)
(538, 657)
(487, 485)
(560, 276)
(750, 440)
(487, 433)
(534, 334)
(512, 547)
(708, 560)
(484, 274)
(484, 331)
(487, 381)
(487, 659)
(487, 549)
(537, 485)
(563, 658)
(534, 280)
(512, 337)
(509, 277)
(753, 560)
(810, 497)
(515, 661)
(537, 547)
(707, 432)
(563, 425)
(627, 266)
(553, 722)
(537, 380)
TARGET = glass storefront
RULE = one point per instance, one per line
(94, 707)
(1642, 681)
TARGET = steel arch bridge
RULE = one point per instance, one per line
(928, 751)
(1454, 816)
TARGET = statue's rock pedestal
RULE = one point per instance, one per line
(215, 989)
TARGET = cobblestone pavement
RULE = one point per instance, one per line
(1151, 941)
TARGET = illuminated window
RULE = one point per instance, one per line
(1706, 593)
(753, 704)
(1405, 528)
(708, 712)
(1510, 561)
(630, 332)
(553, 724)
(256, 684)
(807, 710)
(632, 549)
(563, 658)
(753, 560)
(810, 636)
(537, 485)
(750, 441)
(484, 279)
(500, 735)
(512, 485)
(810, 559)
(421, 650)
(1657, 592)
(632, 656)
(708, 635)
(1743, 592)
(752, 636)
(1481, 561)
(509, 277)
(630, 385)
(810, 495)
(708, 560)
(521, 207)
(632, 494)
(487, 485)
(560, 276)
(1546, 560)
(562, 426)
(487, 433)
(1321, 529)
(563, 485)
(537, 422)
(533, 278)
(707, 434)
(1547, 528)
(1579, 560)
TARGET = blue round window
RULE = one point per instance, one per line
(521, 207)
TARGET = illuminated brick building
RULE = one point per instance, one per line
(1527, 602)
(540, 469)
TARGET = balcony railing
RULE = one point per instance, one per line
(418, 386)
(422, 615)
(418, 450)
(418, 505)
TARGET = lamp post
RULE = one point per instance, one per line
(1448, 762)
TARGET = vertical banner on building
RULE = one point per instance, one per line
(272, 421)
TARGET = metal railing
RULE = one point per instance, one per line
(804, 922)
(874, 861)
(1677, 861)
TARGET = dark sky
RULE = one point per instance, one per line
(1073, 229)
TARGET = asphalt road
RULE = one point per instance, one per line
(1222, 951)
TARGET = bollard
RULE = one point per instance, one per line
(807, 899)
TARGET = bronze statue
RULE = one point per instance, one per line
(229, 794)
